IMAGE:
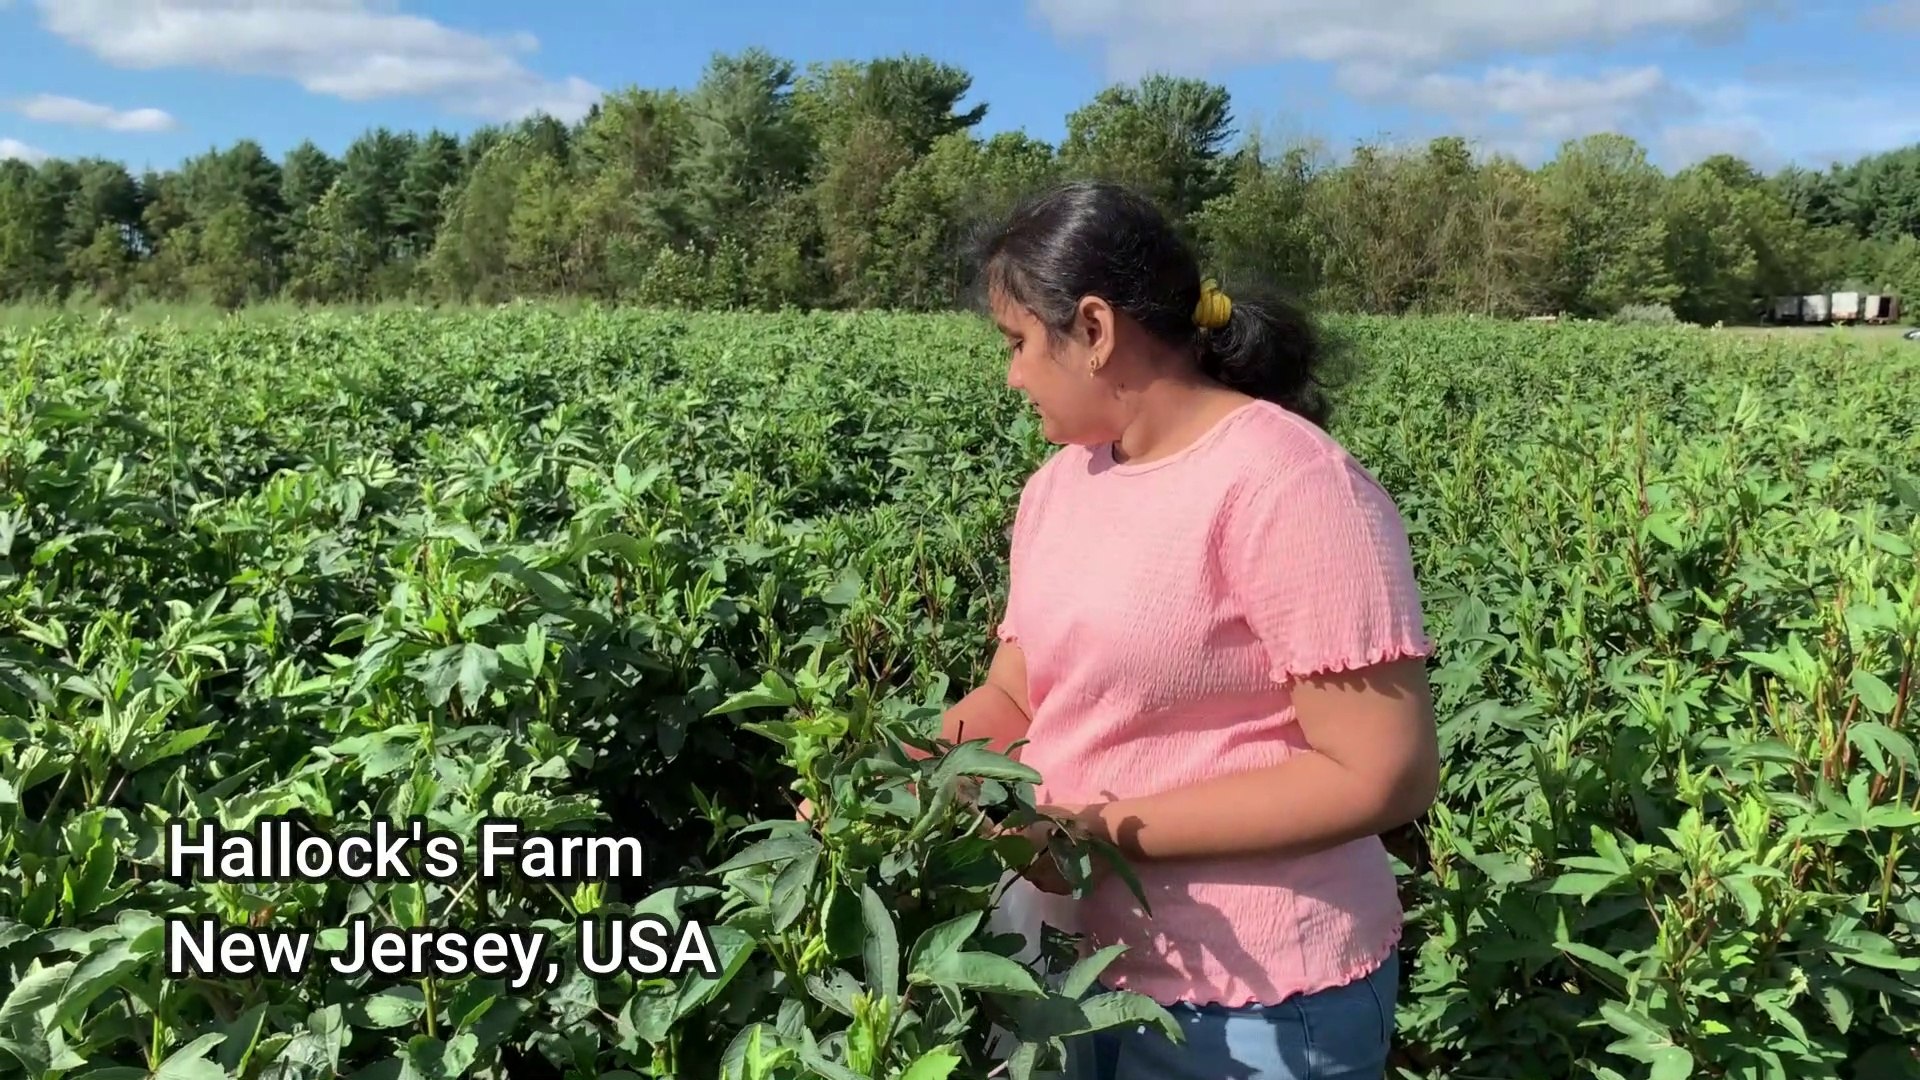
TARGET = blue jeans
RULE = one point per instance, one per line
(1336, 1034)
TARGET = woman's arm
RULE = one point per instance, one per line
(996, 710)
(1320, 564)
(1374, 766)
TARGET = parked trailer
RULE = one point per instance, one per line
(1839, 307)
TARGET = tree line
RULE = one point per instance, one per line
(859, 184)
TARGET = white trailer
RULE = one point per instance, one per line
(1881, 308)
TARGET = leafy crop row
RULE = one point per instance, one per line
(662, 576)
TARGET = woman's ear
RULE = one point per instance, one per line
(1096, 326)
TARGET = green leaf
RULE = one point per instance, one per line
(391, 1008)
(983, 971)
(478, 666)
(1591, 955)
(428, 1058)
(1500, 868)
(836, 992)
(828, 1070)
(975, 759)
(936, 1064)
(1661, 527)
(773, 692)
(667, 903)
(1087, 971)
(846, 930)
(97, 974)
(792, 889)
(732, 948)
(1873, 691)
(1647, 1041)
(1023, 1062)
(1838, 1006)
(1121, 1008)
(773, 849)
(939, 940)
(882, 950)
(33, 993)
(1883, 746)
(1672, 1063)
(190, 1061)
(1584, 886)
(176, 744)
(1906, 491)
(441, 673)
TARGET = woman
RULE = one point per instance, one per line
(1213, 645)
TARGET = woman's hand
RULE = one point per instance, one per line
(1043, 871)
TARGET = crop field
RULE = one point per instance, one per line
(661, 576)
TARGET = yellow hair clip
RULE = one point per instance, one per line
(1214, 307)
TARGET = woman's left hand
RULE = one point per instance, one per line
(1042, 871)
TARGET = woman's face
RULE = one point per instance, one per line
(1076, 405)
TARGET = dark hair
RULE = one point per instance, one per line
(1092, 238)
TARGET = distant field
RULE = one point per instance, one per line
(1858, 333)
(21, 316)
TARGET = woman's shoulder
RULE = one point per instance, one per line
(1271, 447)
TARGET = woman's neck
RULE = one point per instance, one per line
(1169, 414)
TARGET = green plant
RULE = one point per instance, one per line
(855, 942)
(643, 574)
(1645, 315)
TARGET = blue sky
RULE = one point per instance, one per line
(150, 82)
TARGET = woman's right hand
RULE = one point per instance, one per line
(805, 812)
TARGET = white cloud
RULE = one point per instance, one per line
(1402, 35)
(65, 110)
(14, 148)
(1544, 105)
(1745, 119)
(1429, 55)
(1686, 144)
(1411, 52)
(1772, 125)
(1528, 112)
(357, 50)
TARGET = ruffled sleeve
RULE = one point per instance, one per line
(1319, 563)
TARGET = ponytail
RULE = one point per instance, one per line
(1269, 349)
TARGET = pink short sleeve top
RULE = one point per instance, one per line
(1163, 608)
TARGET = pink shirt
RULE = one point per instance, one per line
(1162, 608)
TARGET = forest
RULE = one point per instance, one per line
(858, 184)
